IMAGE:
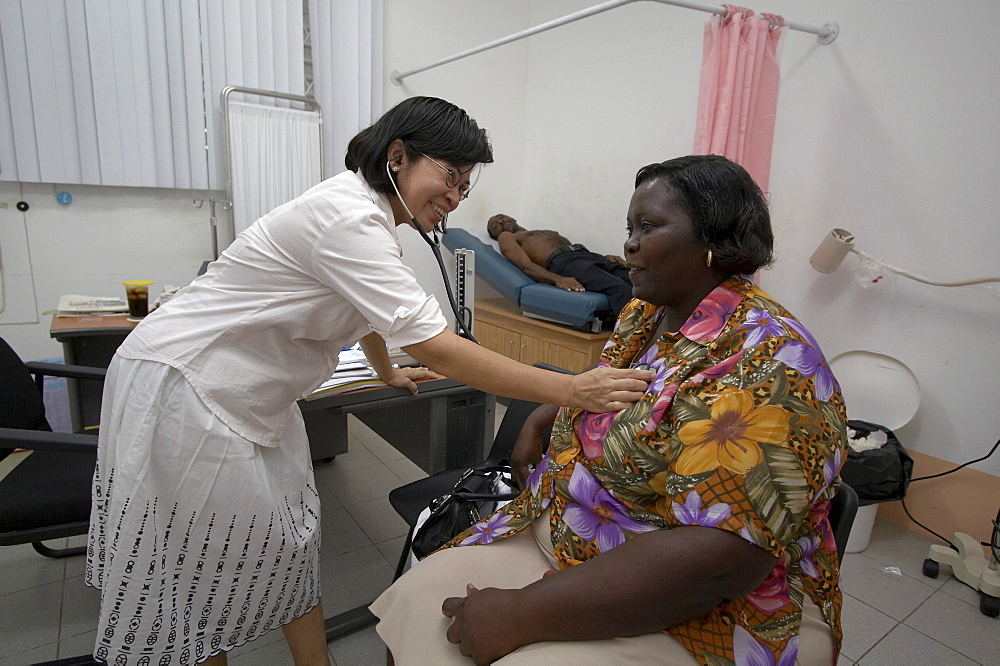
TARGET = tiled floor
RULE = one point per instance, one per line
(892, 613)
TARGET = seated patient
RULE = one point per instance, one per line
(548, 257)
(691, 527)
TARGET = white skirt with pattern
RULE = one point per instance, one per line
(199, 540)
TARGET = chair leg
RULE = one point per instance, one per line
(42, 549)
(358, 617)
(404, 556)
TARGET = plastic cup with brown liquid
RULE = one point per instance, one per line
(138, 297)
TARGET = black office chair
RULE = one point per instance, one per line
(843, 509)
(410, 500)
(47, 494)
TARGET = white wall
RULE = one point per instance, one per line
(492, 92)
(888, 132)
(106, 235)
(893, 136)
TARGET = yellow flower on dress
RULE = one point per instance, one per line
(566, 456)
(731, 437)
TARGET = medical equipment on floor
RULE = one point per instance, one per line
(969, 566)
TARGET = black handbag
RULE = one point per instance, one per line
(474, 497)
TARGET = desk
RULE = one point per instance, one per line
(88, 340)
(447, 424)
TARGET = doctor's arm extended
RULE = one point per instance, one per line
(600, 390)
(373, 345)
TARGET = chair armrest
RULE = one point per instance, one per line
(39, 440)
(554, 368)
(61, 370)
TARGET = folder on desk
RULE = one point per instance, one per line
(355, 372)
(344, 382)
(73, 305)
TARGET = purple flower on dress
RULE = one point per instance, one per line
(832, 467)
(658, 365)
(535, 478)
(763, 325)
(485, 530)
(649, 357)
(806, 564)
(745, 533)
(808, 359)
(810, 362)
(801, 330)
(597, 515)
(692, 513)
(749, 652)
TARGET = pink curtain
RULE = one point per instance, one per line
(738, 96)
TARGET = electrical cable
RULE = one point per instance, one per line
(934, 476)
(995, 544)
(902, 502)
(436, 249)
(995, 541)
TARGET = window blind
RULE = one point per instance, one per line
(126, 92)
(347, 71)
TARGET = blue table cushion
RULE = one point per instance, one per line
(574, 308)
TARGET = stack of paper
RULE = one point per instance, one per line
(353, 372)
(72, 305)
(338, 384)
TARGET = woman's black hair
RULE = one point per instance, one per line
(726, 206)
(427, 125)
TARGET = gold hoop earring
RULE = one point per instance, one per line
(708, 259)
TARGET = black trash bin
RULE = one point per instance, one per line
(878, 475)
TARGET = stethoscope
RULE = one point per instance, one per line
(435, 246)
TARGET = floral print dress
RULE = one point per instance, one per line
(743, 429)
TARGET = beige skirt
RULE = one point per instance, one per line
(412, 626)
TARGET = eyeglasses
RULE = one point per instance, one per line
(454, 178)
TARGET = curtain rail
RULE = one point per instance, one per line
(826, 33)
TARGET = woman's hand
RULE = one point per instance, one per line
(530, 443)
(606, 389)
(485, 623)
(404, 377)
